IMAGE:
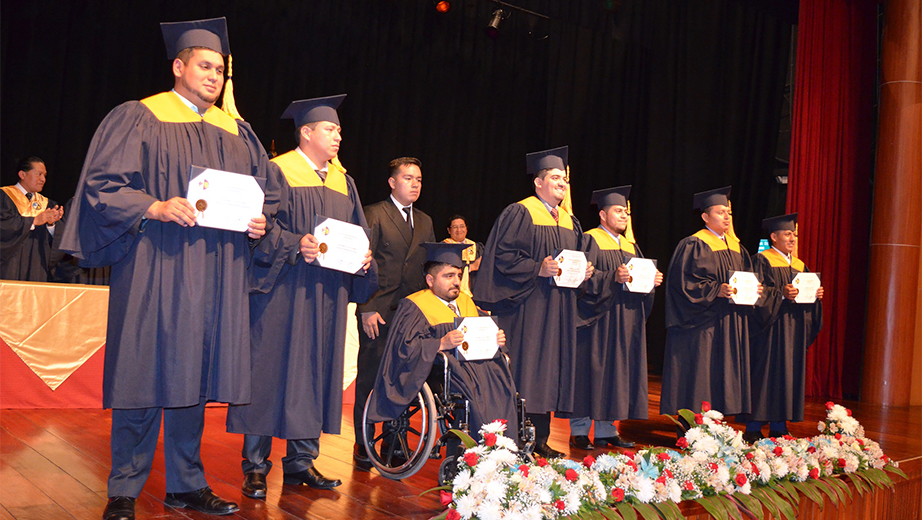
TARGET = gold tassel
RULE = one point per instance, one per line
(796, 241)
(629, 232)
(566, 203)
(227, 103)
(731, 233)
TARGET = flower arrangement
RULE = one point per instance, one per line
(716, 468)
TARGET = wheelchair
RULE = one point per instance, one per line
(400, 448)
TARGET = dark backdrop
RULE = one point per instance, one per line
(671, 96)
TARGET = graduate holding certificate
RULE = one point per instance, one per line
(298, 308)
(707, 336)
(611, 370)
(782, 330)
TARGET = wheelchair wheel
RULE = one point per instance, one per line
(401, 447)
(448, 469)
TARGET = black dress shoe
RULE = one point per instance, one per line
(119, 508)
(547, 452)
(615, 441)
(360, 458)
(203, 500)
(582, 442)
(312, 478)
(752, 437)
(254, 485)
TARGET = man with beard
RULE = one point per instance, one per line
(707, 336)
(514, 284)
(611, 370)
(178, 326)
(782, 331)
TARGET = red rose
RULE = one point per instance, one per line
(755, 469)
(628, 453)
(815, 473)
(717, 421)
(829, 405)
(860, 442)
(841, 463)
(668, 473)
(560, 505)
(632, 465)
(588, 461)
(777, 451)
(788, 437)
(713, 466)
(699, 419)
(661, 479)
(524, 470)
(811, 449)
(663, 456)
(705, 406)
(445, 497)
(490, 439)
(750, 455)
(848, 412)
(688, 485)
(838, 436)
(740, 479)
(541, 462)
(453, 514)
(617, 494)
(682, 443)
(571, 475)
(502, 421)
(470, 458)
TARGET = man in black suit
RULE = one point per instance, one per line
(397, 230)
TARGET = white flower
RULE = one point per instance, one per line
(837, 413)
(497, 427)
(466, 506)
(821, 426)
(645, 491)
(506, 443)
(462, 481)
(707, 445)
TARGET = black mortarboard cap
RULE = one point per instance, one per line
(553, 158)
(308, 111)
(446, 253)
(780, 223)
(210, 33)
(706, 199)
(611, 196)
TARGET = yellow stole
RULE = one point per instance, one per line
(775, 259)
(168, 108)
(26, 207)
(717, 244)
(540, 216)
(300, 174)
(437, 312)
(607, 243)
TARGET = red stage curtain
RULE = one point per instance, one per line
(830, 177)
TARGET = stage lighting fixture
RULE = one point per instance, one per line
(442, 6)
(492, 29)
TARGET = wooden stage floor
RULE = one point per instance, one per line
(54, 464)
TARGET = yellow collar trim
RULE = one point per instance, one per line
(168, 108)
(26, 207)
(437, 312)
(540, 216)
(607, 243)
(717, 244)
(300, 174)
(776, 259)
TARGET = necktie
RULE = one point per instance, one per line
(322, 174)
(454, 309)
(406, 210)
(555, 214)
(29, 195)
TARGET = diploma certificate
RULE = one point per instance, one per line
(343, 245)
(643, 275)
(225, 200)
(806, 285)
(571, 269)
(744, 288)
(479, 338)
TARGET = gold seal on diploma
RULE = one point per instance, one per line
(464, 346)
(201, 205)
(324, 247)
(733, 290)
(630, 279)
(559, 271)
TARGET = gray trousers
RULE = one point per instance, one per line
(300, 457)
(134, 441)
